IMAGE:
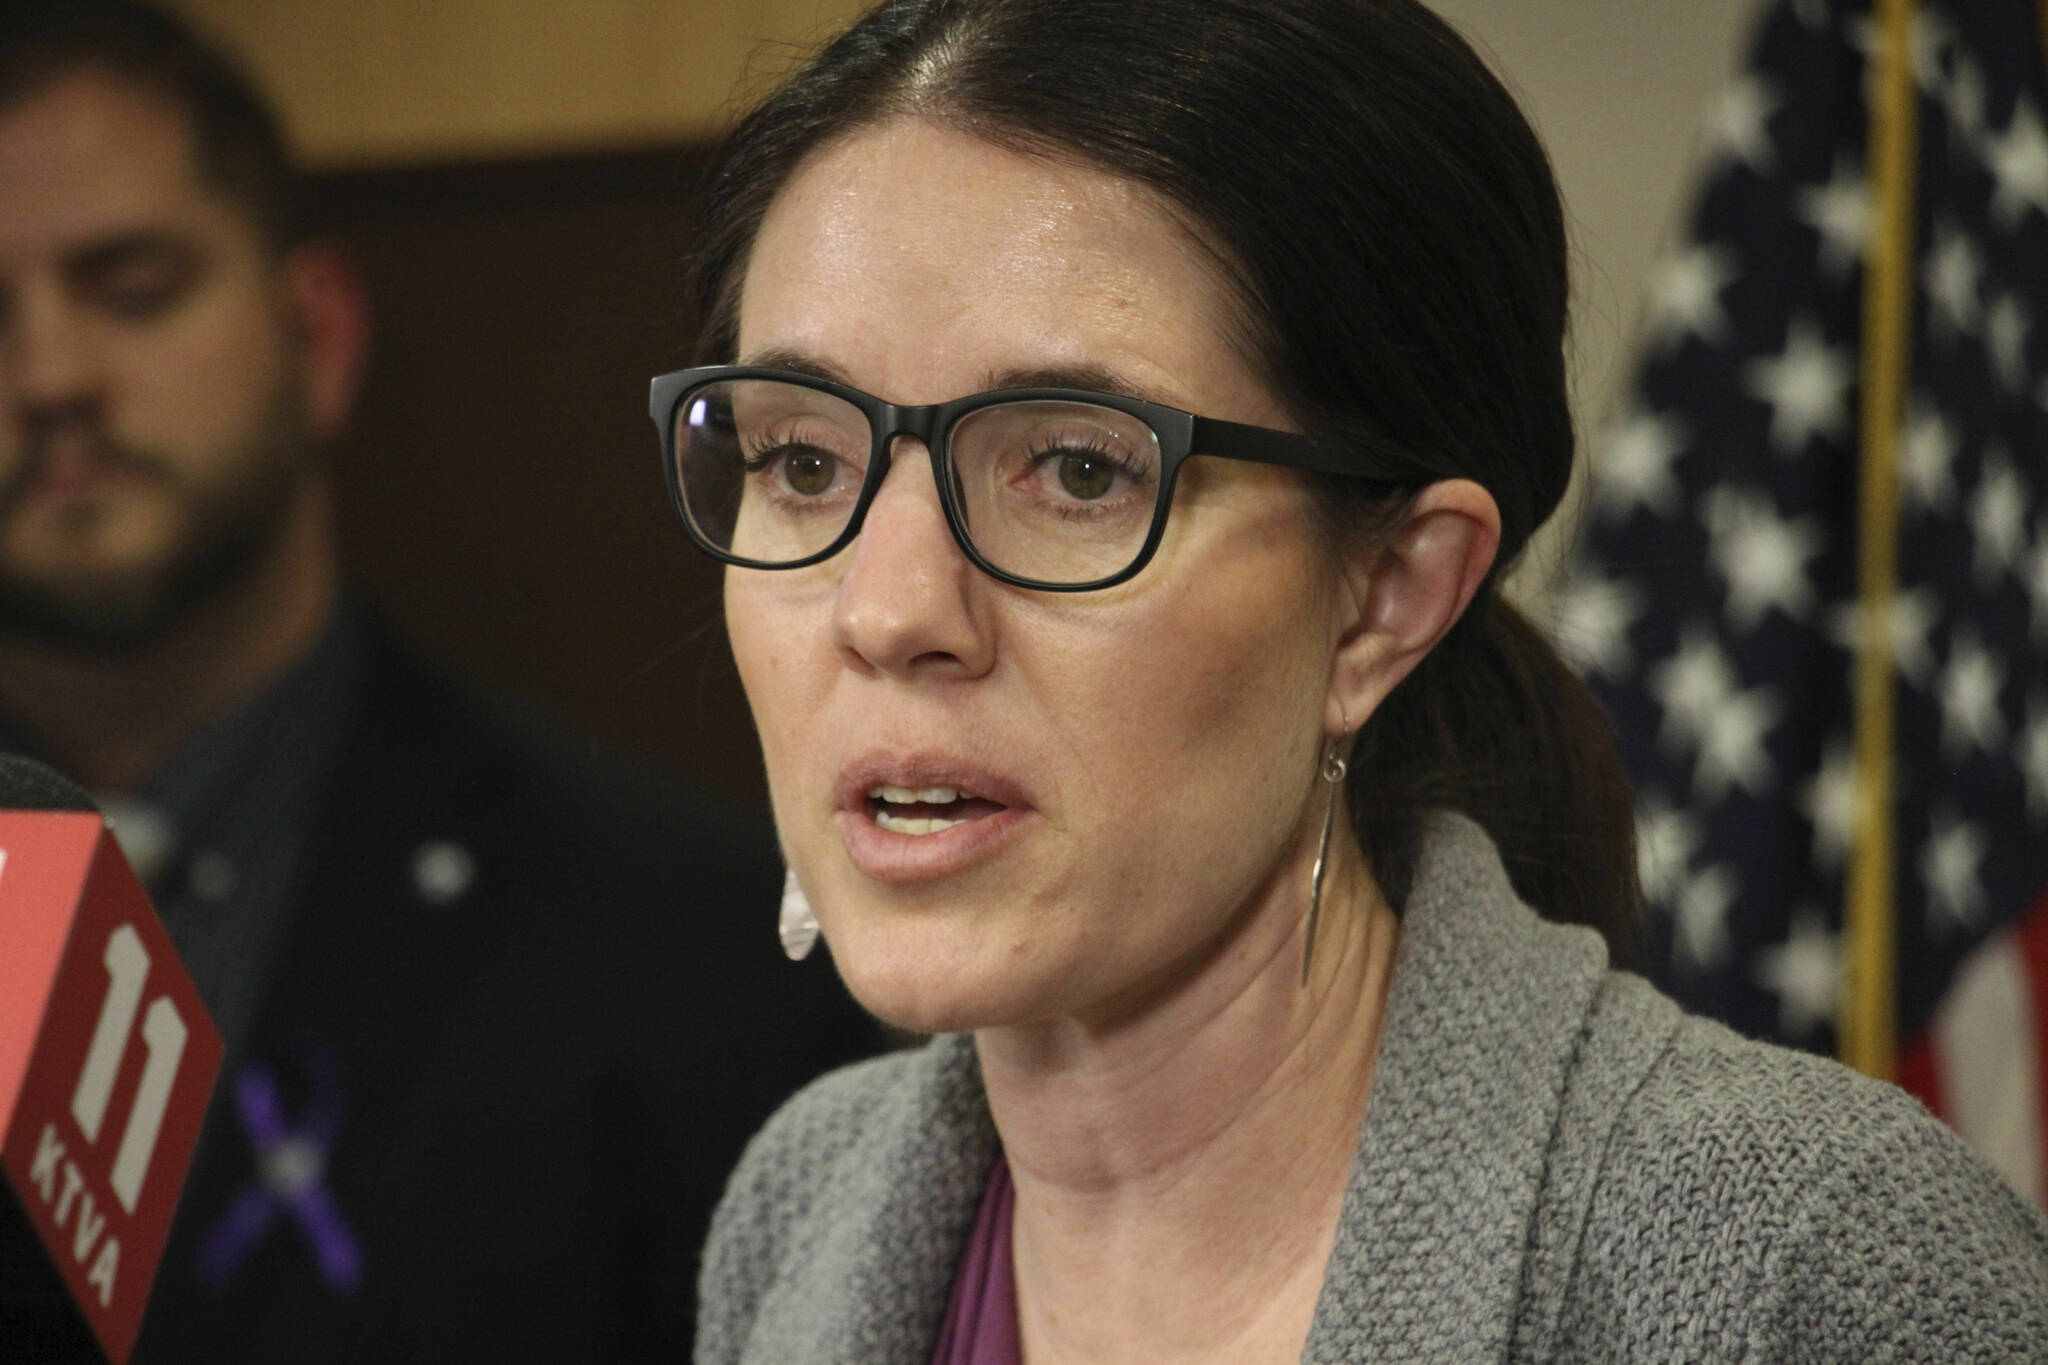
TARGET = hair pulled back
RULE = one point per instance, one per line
(1392, 233)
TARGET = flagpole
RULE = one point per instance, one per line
(1869, 1033)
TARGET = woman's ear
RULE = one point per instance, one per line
(1407, 590)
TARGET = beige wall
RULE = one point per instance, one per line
(1619, 88)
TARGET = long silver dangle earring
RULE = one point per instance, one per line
(1332, 772)
(797, 926)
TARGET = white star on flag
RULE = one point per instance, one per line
(1732, 752)
(1740, 124)
(2035, 579)
(1968, 692)
(1952, 864)
(1593, 616)
(1683, 297)
(1761, 555)
(1927, 455)
(2034, 758)
(2018, 158)
(1953, 278)
(1998, 519)
(1635, 465)
(1807, 385)
(1666, 839)
(2005, 335)
(1914, 612)
(1804, 972)
(1840, 212)
(1828, 800)
(1965, 97)
(1701, 911)
(1930, 39)
(1691, 685)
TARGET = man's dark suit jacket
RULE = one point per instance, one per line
(541, 990)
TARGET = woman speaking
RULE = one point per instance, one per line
(1118, 417)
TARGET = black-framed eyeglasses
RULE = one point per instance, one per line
(1061, 490)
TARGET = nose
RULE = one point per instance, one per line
(48, 354)
(911, 604)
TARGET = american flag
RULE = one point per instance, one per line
(1715, 599)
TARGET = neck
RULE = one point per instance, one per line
(109, 720)
(1179, 1178)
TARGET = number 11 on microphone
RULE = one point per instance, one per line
(107, 1060)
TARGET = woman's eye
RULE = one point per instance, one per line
(1086, 475)
(797, 467)
(808, 471)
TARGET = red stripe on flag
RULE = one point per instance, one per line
(2030, 937)
(1920, 1074)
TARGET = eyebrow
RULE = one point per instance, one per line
(1094, 378)
(796, 362)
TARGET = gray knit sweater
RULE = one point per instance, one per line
(1556, 1165)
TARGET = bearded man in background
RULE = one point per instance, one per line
(484, 990)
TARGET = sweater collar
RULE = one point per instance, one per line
(868, 1274)
(1445, 1213)
(1486, 1012)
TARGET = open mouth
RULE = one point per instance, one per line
(925, 810)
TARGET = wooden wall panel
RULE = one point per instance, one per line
(501, 490)
(368, 82)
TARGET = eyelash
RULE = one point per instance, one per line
(756, 460)
(759, 460)
(1040, 454)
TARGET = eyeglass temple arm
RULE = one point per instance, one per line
(1380, 461)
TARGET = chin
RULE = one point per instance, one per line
(912, 1000)
(919, 1016)
(927, 980)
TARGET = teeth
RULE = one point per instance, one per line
(897, 824)
(903, 796)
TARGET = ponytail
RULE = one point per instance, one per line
(1494, 724)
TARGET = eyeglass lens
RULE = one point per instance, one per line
(1057, 491)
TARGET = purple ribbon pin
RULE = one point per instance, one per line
(291, 1170)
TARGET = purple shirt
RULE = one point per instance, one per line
(981, 1319)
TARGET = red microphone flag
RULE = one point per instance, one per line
(107, 1060)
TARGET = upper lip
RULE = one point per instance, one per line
(923, 768)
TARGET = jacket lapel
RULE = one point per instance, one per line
(372, 957)
(377, 950)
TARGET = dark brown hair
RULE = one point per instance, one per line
(1392, 232)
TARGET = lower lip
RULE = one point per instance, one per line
(890, 857)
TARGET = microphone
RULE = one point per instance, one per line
(107, 1060)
